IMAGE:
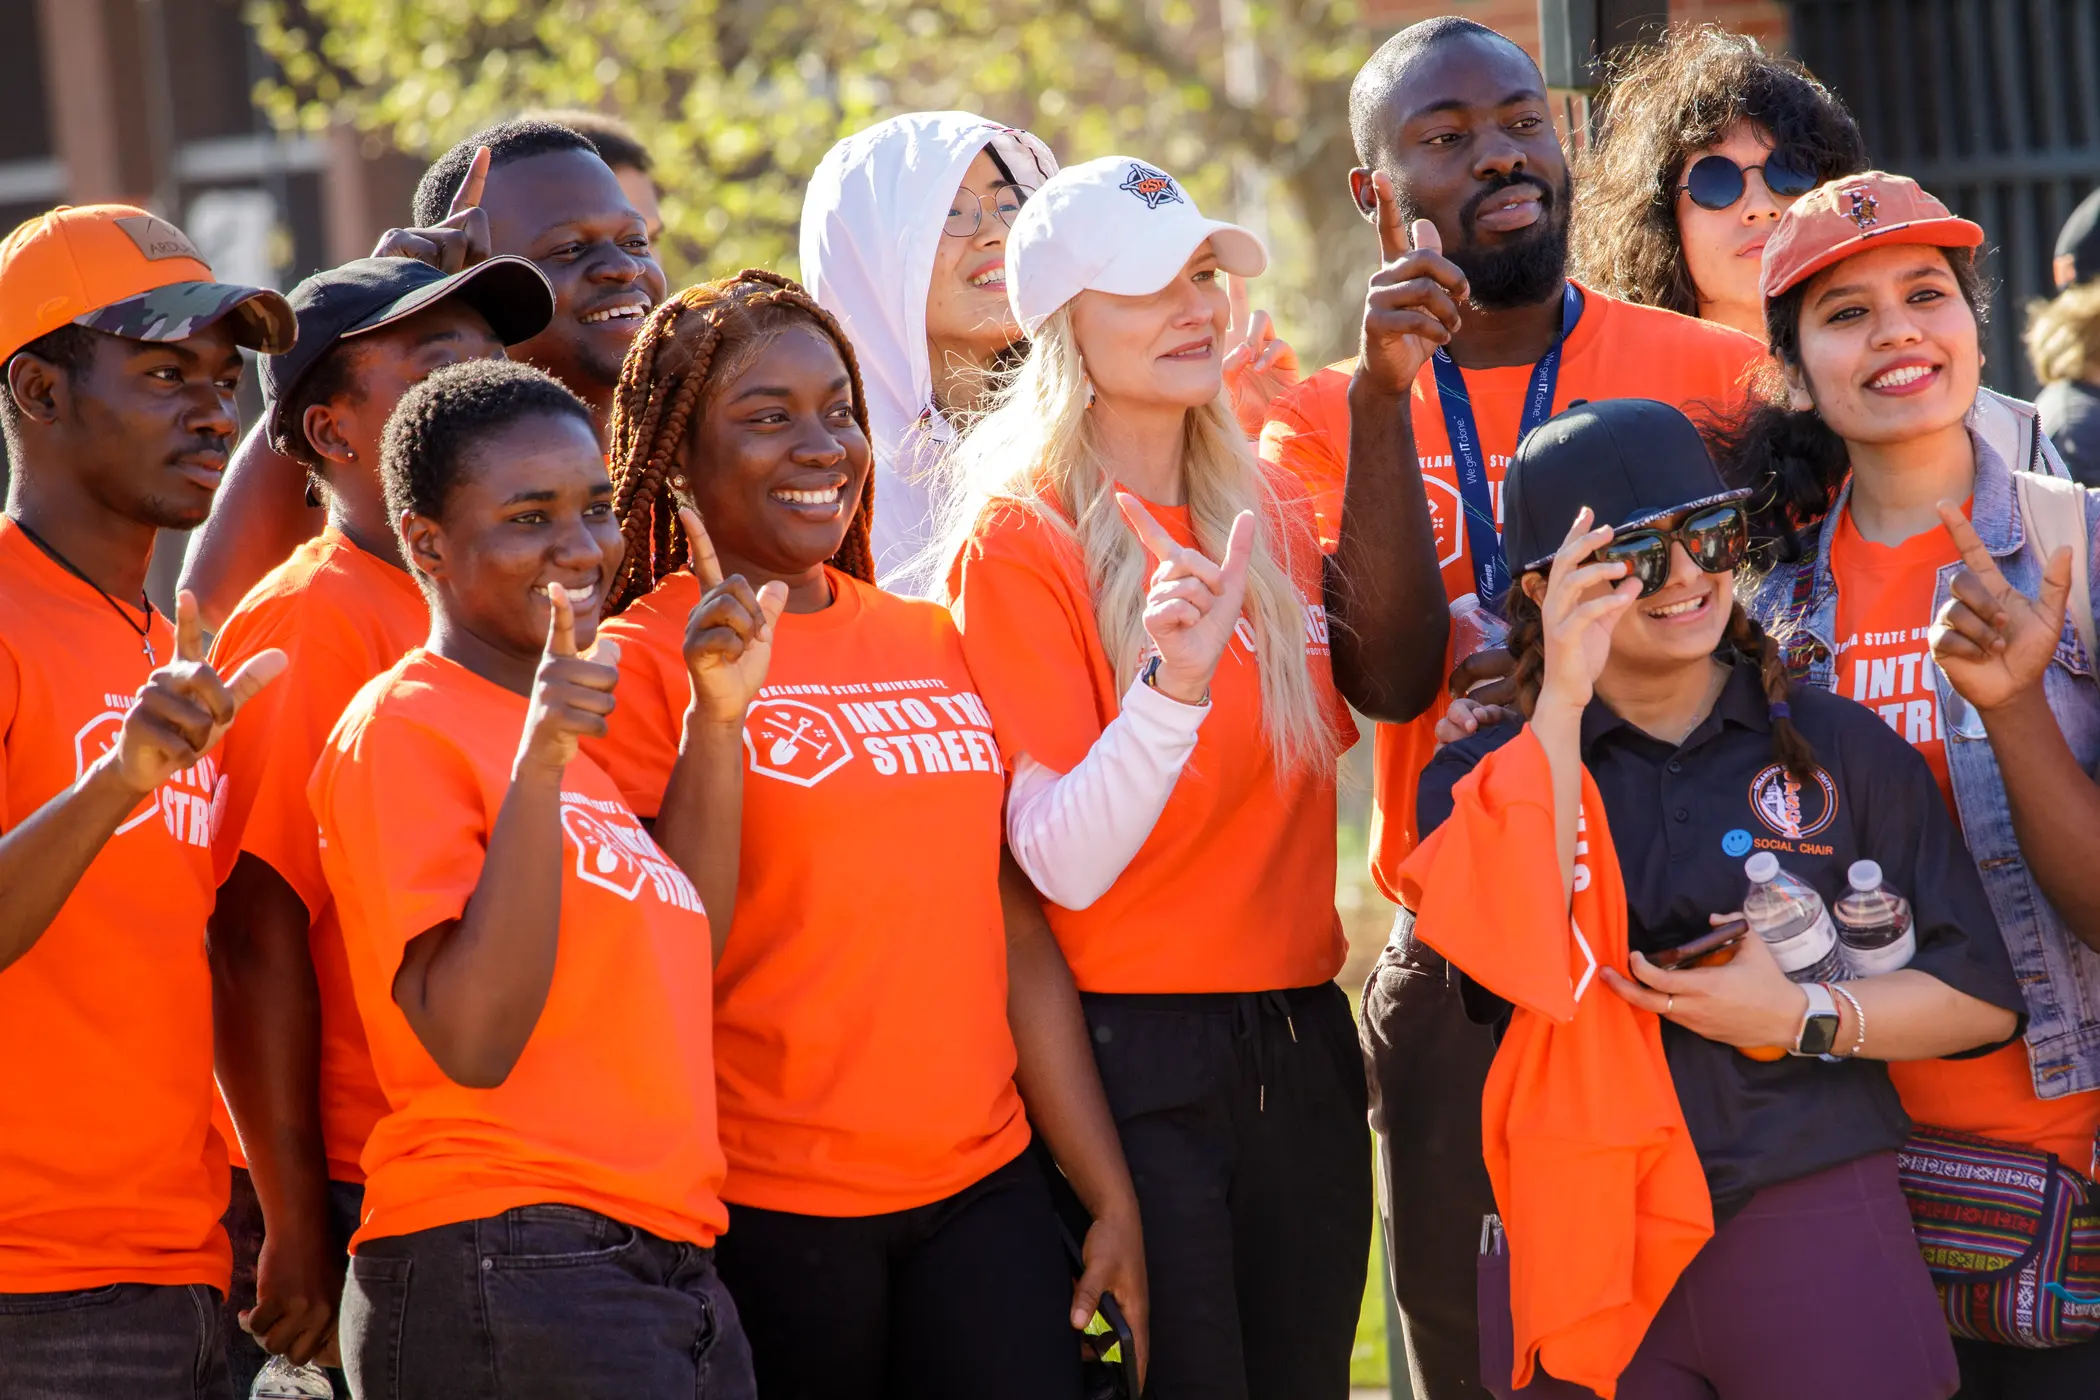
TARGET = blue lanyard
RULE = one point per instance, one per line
(1483, 540)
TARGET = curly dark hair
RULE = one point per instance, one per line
(514, 140)
(1663, 101)
(1790, 457)
(1743, 639)
(692, 343)
(427, 437)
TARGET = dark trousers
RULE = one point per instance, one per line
(963, 1299)
(1815, 1288)
(1242, 1118)
(1428, 1066)
(546, 1302)
(244, 1226)
(127, 1339)
(1991, 1372)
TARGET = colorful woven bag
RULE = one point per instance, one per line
(2011, 1236)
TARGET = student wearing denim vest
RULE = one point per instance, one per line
(1879, 482)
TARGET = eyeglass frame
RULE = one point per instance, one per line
(1679, 536)
(960, 190)
(1742, 177)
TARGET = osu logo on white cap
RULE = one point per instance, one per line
(794, 741)
(1155, 187)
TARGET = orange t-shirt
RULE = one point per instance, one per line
(109, 1169)
(1617, 350)
(1884, 613)
(1234, 889)
(343, 616)
(1884, 661)
(612, 1105)
(862, 1053)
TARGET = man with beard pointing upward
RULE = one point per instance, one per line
(1471, 337)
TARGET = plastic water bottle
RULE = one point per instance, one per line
(1474, 628)
(279, 1379)
(1790, 917)
(1873, 924)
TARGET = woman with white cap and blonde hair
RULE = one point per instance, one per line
(1139, 599)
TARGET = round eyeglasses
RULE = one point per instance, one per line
(1716, 182)
(966, 210)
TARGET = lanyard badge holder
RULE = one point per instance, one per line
(1483, 539)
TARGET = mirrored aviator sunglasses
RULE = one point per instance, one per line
(1716, 182)
(1715, 538)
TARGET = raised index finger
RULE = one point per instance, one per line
(1973, 553)
(561, 622)
(706, 567)
(469, 195)
(1150, 532)
(1236, 301)
(189, 628)
(1392, 238)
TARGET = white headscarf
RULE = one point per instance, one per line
(871, 224)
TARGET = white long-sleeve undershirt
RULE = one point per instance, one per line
(1075, 833)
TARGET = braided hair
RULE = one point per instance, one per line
(690, 345)
(1527, 644)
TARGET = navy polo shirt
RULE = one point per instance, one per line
(1685, 817)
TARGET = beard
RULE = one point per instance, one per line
(1519, 271)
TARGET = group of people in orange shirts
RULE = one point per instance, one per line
(779, 838)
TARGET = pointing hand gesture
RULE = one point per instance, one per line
(184, 709)
(1412, 307)
(729, 636)
(1991, 640)
(1194, 604)
(460, 240)
(1584, 602)
(1260, 365)
(571, 694)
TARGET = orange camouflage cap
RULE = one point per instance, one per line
(118, 269)
(1852, 213)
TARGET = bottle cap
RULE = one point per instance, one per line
(1762, 868)
(1465, 603)
(1865, 876)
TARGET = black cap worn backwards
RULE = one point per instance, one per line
(1631, 461)
(2079, 239)
(512, 295)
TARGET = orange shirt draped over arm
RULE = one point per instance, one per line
(1602, 1196)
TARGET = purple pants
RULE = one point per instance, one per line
(1816, 1287)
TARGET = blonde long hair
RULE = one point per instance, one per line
(1035, 448)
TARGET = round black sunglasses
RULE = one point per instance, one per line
(1716, 182)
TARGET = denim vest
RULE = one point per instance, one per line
(2060, 976)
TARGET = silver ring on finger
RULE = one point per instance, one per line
(1670, 1004)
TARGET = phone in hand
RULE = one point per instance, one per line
(1710, 949)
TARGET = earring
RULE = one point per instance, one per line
(1088, 380)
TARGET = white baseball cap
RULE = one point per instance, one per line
(1117, 224)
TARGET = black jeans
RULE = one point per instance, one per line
(1242, 1117)
(1990, 1372)
(127, 1339)
(548, 1302)
(1429, 1065)
(244, 1226)
(963, 1299)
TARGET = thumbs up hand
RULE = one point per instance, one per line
(571, 694)
(729, 637)
(1412, 306)
(184, 709)
(1194, 603)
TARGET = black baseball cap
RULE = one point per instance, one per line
(2079, 240)
(511, 294)
(1631, 461)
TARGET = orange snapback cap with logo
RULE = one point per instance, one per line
(1853, 213)
(121, 270)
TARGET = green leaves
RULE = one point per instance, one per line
(738, 99)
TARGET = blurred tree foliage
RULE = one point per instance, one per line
(737, 99)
